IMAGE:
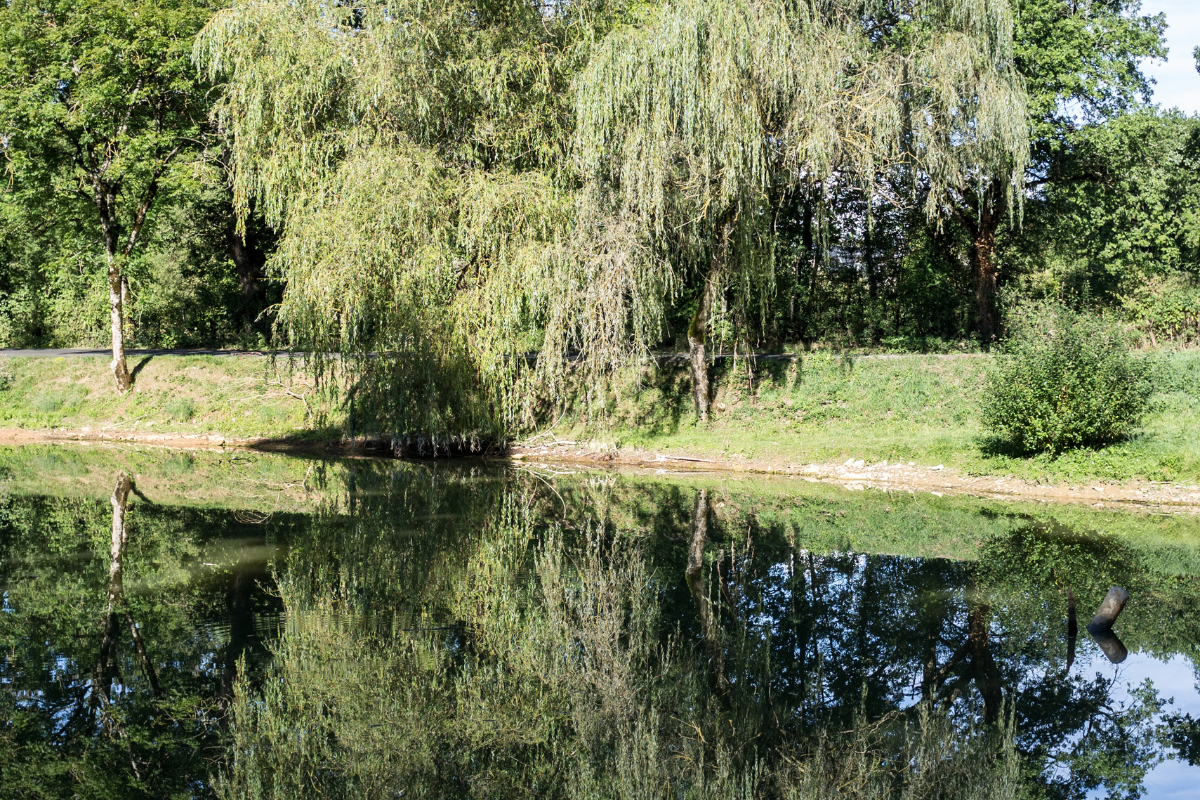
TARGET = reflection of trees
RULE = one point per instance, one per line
(112, 645)
(525, 653)
(831, 634)
(975, 638)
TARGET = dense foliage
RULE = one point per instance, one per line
(1066, 380)
(461, 185)
(112, 180)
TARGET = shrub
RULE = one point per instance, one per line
(1065, 380)
(180, 409)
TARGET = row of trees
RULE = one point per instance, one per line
(460, 183)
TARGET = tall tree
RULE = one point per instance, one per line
(693, 121)
(98, 100)
(415, 157)
(1079, 63)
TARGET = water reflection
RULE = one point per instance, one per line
(480, 632)
(113, 643)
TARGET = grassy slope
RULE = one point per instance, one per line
(923, 409)
(195, 395)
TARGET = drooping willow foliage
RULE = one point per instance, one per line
(460, 184)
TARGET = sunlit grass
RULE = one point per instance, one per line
(923, 409)
(240, 397)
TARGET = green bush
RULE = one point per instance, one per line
(180, 409)
(1065, 380)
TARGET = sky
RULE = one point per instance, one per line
(1178, 83)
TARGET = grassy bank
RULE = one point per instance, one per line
(820, 408)
(234, 396)
(925, 409)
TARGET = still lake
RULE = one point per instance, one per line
(244, 625)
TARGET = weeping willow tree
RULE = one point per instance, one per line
(694, 125)
(415, 157)
(460, 184)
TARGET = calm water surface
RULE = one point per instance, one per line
(206, 624)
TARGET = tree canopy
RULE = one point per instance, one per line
(416, 160)
(98, 100)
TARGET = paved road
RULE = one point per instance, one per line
(106, 353)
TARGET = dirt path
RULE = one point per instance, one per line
(854, 475)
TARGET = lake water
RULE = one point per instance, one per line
(257, 626)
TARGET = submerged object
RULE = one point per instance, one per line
(1109, 610)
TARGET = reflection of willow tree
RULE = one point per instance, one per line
(452, 637)
(113, 645)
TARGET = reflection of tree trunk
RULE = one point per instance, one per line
(238, 600)
(1072, 629)
(104, 669)
(982, 666)
(696, 584)
(986, 673)
(138, 645)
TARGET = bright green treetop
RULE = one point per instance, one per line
(98, 99)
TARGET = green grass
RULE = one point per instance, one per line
(923, 409)
(824, 408)
(238, 397)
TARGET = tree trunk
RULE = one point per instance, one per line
(249, 261)
(872, 281)
(116, 312)
(983, 263)
(698, 329)
(697, 358)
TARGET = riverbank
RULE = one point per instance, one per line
(888, 421)
(830, 411)
(237, 400)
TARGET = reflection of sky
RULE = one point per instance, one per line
(1173, 678)
(833, 587)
